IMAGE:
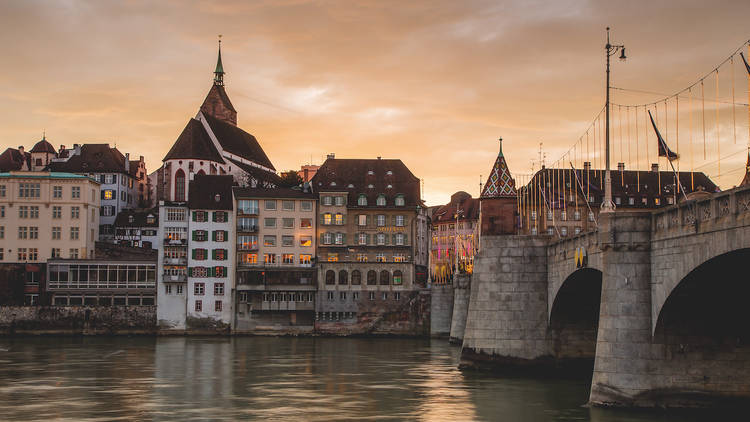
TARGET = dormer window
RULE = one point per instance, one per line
(389, 187)
(399, 200)
(333, 183)
(150, 219)
(370, 186)
(217, 197)
(130, 219)
(362, 201)
(370, 173)
(389, 173)
(350, 186)
(380, 201)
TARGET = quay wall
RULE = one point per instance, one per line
(77, 320)
(441, 310)
(461, 294)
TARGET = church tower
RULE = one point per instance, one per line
(217, 102)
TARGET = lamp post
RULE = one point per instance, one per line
(455, 240)
(607, 204)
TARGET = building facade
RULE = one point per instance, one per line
(367, 225)
(138, 228)
(454, 238)
(276, 244)
(46, 215)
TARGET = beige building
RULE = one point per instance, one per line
(276, 242)
(47, 215)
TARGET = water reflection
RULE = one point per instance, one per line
(311, 379)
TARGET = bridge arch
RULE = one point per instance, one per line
(574, 315)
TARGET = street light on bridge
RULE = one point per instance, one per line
(607, 204)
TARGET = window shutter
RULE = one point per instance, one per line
(195, 213)
(367, 239)
(393, 220)
(367, 222)
(344, 238)
(213, 253)
(102, 192)
(387, 238)
(193, 252)
(193, 235)
(213, 235)
(190, 271)
(213, 217)
(343, 219)
(320, 242)
(210, 271)
(224, 269)
(406, 239)
(226, 235)
(322, 219)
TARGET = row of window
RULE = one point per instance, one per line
(32, 254)
(452, 226)
(216, 254)
(286, 223)
(33, 190)
(250, 242)
(25, 232)
(272, 258)
(208, 271)
(216, 235)
(251, 206)
(340, 201)
(563, 216)
(355, 296)
(379, 239)
(363, 257)
(25, 211)
(200, 288)
(563, 230)
(283, 297)
(372, 277)
(218, 306)
(217, 216)
(109, 194)
(363, 220)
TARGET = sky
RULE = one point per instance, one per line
(434, 83)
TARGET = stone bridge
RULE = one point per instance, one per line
(657, 310)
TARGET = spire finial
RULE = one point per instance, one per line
(44, 135)
(219, 72)
(500, 153)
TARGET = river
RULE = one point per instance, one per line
(268, 378)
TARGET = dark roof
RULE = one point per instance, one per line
(43, 146)
(194, 142)
(245, 192)
(140, 218)
(238, 142)
(94, 158)
(218, 92)
(109, 251)
(258, 174)
(459, 201)
(12, 159)
(626, 183)
(204, 188)
(335, 175)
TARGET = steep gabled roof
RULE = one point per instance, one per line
(499, 184)
(259, 174)
(335, 175)
(206, 189)
(460, 201)
(236, 141)
(140, 217)
(12, 159)
(194, 142)
(217, 104)
(94, 158)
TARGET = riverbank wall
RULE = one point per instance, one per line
(77, 320)
(441, 310)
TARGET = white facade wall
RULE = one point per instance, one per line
(208, 299)
(171, 305)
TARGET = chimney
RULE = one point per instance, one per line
(331, 156)
(62, 148)
(20, 149)
(621, 166)
(127, 162)
(655, 167)
(76, 149)
(586, 165)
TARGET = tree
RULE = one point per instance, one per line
(290, 179)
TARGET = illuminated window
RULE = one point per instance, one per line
(287, 258)
(109, 194)
(305, 241)
(327, 218)
(333, 257)
(361, 257)
(380, 257)
(339, 219)
(269, 258)
(397, 277)
(305, 259)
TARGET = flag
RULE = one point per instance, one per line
(664, 150)
(747, 66)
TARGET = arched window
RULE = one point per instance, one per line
(343, 277)
(397, 277)
(372, 278)
(362, 200)
(380, 201)
(201, 172)
(356, 278)
(179, 185)
(385, 278)
(399, 200)
(330, 277)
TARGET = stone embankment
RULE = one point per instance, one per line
(77, 320)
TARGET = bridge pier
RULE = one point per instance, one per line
(461, 293)
(623, 348)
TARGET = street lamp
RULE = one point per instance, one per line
(607, 204)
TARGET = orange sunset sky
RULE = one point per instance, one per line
(434, 83)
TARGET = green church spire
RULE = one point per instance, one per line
(219, 72)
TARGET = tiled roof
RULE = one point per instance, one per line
(203, 191)
(194, 142)
(500, 183)
(258, 174)
(140, 218)
(369, 177)
(218, 92)
(462, 201)
(94, 158)
(43, 146)
(238, 142)
(12, 159)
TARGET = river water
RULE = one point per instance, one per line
(267, 378)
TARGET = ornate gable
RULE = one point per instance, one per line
(499, 184)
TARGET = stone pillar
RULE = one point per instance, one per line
(623, 347)
(461, 293)
(441, 310)
(506, 324)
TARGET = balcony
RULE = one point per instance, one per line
(247, 211)
(247, 246)
(174, 242)
(247, 228)
(175, 278)
(175, 261)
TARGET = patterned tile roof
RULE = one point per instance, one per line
(499, 184)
